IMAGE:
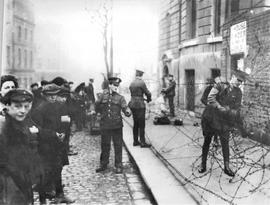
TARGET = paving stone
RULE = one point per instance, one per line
(86, 186)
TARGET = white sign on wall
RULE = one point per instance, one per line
(238, 38)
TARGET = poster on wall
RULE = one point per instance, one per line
(238, 37)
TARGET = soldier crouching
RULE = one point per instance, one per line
(109, 105)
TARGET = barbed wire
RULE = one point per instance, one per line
(241, 158)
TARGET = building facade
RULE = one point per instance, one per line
(19, 41)
(190, 44)
(205, 38)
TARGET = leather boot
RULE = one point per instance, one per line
(228, 171)
(101, 169)
(202, 169)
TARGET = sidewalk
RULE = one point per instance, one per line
(179, 148)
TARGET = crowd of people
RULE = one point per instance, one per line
(35, 130)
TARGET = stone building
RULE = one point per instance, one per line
(205, 38)
(18, 46)
(190, 43)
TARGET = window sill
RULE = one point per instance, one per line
(214, 39)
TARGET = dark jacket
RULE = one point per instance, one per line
(222, 111)
(46, 116)
(110, 105)
(170, 90)
(19, 154)
(89, 90)
(137, 90)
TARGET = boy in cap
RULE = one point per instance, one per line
(221, 115)
(109, 105)
(48, 116)
(137, 90)
(20, 161)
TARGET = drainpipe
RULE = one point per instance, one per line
(178, 70)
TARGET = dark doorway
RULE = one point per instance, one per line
(215, 72)
(190, 94)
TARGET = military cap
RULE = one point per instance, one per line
(59, 81)
(240, 75)
(51, 89)
(113, 80)
(139, 72)
(12, 78)
(17, 95)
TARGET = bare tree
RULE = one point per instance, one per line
(102, 17)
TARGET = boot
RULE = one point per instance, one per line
(145, 145)
(202, 169)
(118, 170)
(61, 198)
(101, 169)
(228, 171)
(136, 144)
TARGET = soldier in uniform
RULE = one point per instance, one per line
(221, 115)
(170, 93)
(138, 89)
(109, 105)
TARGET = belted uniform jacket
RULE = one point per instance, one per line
(110, 105)
(137, 90)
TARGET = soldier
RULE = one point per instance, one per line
(170, 93)
(221, 114)
(109, 105)
(138, 89)
(210, 85)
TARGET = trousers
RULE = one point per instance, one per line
(138, 124)
(116, 135)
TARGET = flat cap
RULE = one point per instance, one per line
(51, 89)
(59, 81)
(240, 75)
(18, 95)
(63, 92)
(139, 72)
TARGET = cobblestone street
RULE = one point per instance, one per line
(84, 185)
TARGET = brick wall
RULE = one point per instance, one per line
(256, 92)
